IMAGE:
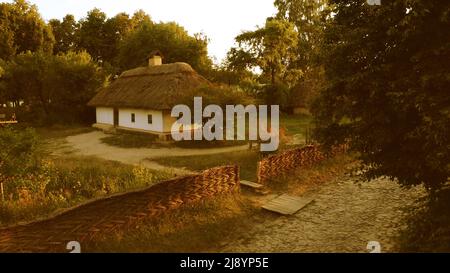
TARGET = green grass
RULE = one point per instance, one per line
(136, 140)
(296, 124)
(124, 140)
(200, 227)
(67, 181)
(247, 160)
(208, 144)
(60, 131)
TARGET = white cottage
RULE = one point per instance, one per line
(141, 99)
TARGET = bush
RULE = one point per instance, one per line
(18, 152)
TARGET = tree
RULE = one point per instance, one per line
(139, 18)
(23, 29)
(92, 34)
(171, 39)
(7, 46)
(117, 29)
(24, 79)
(99, 35)
(52, 88)
(65, 33)
(310, 18)
(269, 48)
(388, 79)
(77, 77)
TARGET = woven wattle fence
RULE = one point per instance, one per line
(279, 165)
(173, 193)
(107, 216)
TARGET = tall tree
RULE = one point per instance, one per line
(309, 18)
(65, 33)
(92, 34)
(101, 36)
(116, 29)
(269, 48)
(388, 87)
(139, 18)
(23, 29)
(171, 39)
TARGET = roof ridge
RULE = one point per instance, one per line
(165, 69)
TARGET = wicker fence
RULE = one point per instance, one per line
(282, 164)
(189, 189)
(106, 216)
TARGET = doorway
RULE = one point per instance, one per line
(116, 117)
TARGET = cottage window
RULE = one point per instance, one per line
(150, 119)
(133, 118)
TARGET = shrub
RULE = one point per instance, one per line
(18, 151)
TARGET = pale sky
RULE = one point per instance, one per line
(220, 20)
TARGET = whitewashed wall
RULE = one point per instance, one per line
(141, 122)
(105, 115)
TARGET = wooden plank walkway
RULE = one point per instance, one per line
(286, 204)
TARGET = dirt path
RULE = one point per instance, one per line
(344, 218)
(90, 144)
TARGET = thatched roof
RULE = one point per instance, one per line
(154, 87)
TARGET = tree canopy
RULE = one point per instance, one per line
(51, 88)
(388, 78)
(171, 39)
(23, 29)
(287, 53)
(269, 48)
(65, 33)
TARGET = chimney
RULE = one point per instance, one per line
(155, 58)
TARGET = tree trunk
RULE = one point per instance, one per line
(273, 76)
(2, 192)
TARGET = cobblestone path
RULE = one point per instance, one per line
(344, 218)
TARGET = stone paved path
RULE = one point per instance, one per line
(344, 218)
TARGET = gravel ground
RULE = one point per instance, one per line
(344, 217)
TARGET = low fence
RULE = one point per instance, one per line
(106, 216)
(173, 193)
(282, 164)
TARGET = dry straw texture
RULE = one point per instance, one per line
(155, 87)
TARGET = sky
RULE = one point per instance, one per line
(220, 20)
